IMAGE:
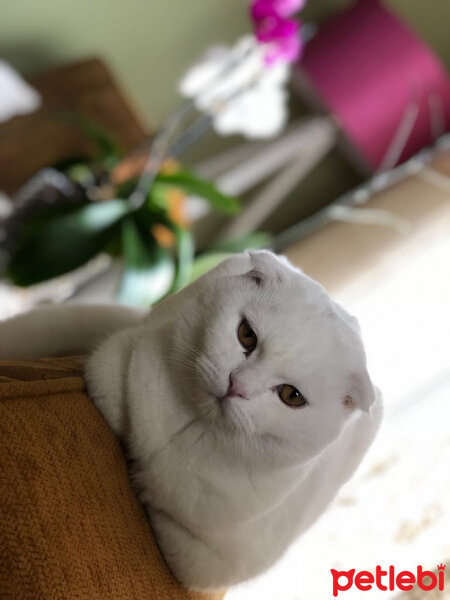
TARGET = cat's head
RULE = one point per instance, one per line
(274, 362)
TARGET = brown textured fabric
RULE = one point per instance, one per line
(70, 526)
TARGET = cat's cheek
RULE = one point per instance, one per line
(262, 413)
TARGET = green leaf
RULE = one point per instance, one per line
(199, 187)
(184, 258)
(81, 173)
(149, 269)
(207, 261)
(63, 239)
(151, 214)
(251, 241)
(157, 197)
(126, 188)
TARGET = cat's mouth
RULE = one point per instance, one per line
(229, 409)
(228, 397)
(222, 401)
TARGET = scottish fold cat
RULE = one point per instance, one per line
(244, 402)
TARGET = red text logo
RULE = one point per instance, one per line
(388, 580)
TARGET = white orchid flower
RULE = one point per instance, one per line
(239, 90)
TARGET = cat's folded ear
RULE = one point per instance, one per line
(238, 264)
(258, 265)
(360, 391)
(267, 266)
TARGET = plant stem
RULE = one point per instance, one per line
(193, 133)
(162, 147)
(158, 152)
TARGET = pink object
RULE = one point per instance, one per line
(260, 9)
(282, 38)
(236, 388)
(369, 69)
(273, 29)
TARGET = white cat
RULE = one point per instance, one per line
(244, 401)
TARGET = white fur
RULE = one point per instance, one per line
(62, 329)
(228, 485)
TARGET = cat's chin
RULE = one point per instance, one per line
(226, 414)
(232, 415)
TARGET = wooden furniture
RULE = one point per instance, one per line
(31, 142)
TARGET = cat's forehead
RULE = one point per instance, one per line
(277, 297)
(298, 308)
(287, 294)
(288, 313)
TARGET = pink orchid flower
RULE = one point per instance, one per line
(281, 36)
(260, 9)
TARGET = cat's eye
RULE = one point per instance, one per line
(291, 396)
(247, 337)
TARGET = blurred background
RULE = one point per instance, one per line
(143, 142)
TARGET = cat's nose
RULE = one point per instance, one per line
(236, 387)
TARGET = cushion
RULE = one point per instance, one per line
(70, 525)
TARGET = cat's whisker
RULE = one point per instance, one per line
(187, 347)
(182, 362)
